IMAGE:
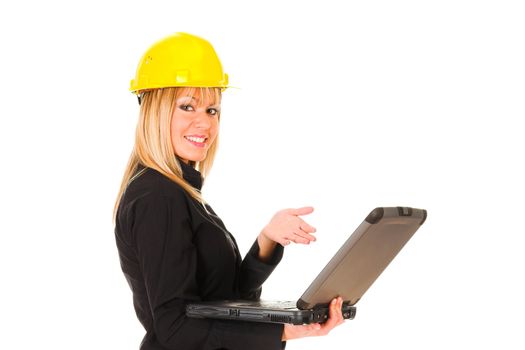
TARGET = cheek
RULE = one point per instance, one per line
(174, 134)
(177, 132)
(178, 125)
(214, 130)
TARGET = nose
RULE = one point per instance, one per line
(203, 120)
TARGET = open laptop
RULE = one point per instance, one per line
(349, 274)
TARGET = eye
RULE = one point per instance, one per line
(187, 108)
(212, 111)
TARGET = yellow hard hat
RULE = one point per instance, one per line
(180, 59)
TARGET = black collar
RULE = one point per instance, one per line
(191, 175)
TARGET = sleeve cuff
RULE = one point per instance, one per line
(274, 260)
(254, 271)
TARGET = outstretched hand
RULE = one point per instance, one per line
(286, 226)
(316, 329)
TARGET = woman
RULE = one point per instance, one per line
(173, 248)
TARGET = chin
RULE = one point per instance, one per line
(193, 157)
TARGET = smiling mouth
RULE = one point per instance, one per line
(197, 141)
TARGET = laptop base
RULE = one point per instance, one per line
(264, 311)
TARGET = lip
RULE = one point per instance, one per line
(197, 144)
(200, 136)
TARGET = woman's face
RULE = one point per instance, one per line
(194, 127)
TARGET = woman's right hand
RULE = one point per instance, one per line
(287, 226)
(317, 329)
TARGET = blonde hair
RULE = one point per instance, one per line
(153, 147)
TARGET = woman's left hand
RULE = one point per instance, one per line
(286, 226)
(316, 329)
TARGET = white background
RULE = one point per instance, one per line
(342, 107)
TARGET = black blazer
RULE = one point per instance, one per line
(172, 250)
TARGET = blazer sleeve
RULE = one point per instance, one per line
(168, 261)
(254, 272)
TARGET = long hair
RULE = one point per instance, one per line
(153, 148)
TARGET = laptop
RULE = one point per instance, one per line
(349, 274)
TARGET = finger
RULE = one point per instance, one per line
(336, 312)
(304, 237)
(299, 239)
(340, 317)
(332, 315)
(304, 226)
(284, 242)
(301, 211)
